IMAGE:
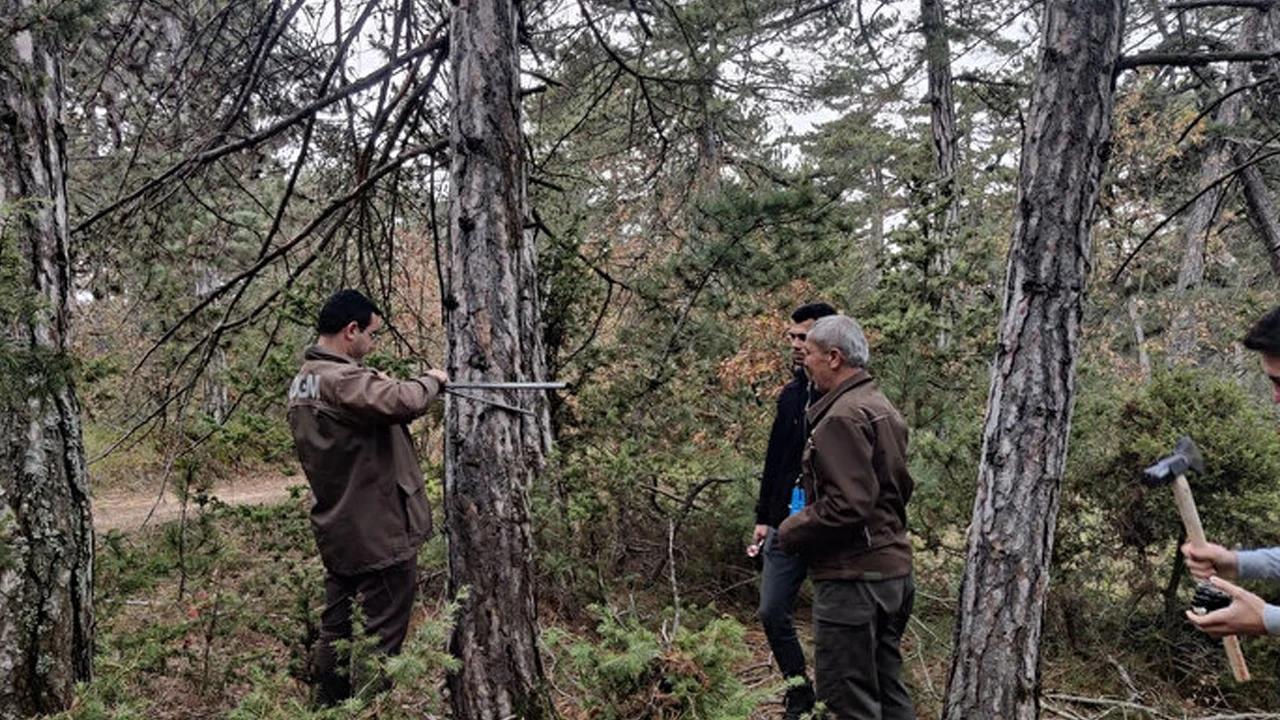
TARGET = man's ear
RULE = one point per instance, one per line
(351, 330)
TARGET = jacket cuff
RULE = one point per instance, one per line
(1271, 619)
(1250, 564)
(787, 535)
(430, 384)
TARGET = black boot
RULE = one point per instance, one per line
(798, 701)
(331, 688)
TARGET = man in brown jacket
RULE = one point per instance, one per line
(852, 531)
(371, 513)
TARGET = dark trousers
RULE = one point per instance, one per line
(857, 632)
(386, 599)
(780, 581)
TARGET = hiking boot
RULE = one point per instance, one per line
(798, 701)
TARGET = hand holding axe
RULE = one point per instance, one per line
(1172, 469)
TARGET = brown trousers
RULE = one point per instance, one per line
(386, 600)
(857, 631)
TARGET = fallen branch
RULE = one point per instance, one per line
(1063, 712)
(1106, 702)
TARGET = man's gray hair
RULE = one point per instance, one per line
(844, 334)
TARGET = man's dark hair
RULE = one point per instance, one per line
(1264, 336)
(342, 308)
(812, 311)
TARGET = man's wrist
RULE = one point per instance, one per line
(426, 382)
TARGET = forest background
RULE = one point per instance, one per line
(696, 170)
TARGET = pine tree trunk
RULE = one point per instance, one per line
(1258, 200)
(995, 661)
(1262, 211)
(46, 529)
(942, 110)
(942, 123)
(1219, 151)
(492, 455)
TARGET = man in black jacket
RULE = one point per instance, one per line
(783, 573)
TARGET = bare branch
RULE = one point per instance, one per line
(621, 63)
(266, 42)
(304, 147)
(644, 25)
(1105, 702)
(1193, 59)
(1194, 4)
(188, 164)
(801, 14)
(279, 252)
(1213, 105)
(1225, 177)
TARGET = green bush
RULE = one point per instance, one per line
(1117, 571)
(631, 672)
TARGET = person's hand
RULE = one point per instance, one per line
(759, 534)
(1242, 617)
(1211, 559)
(441, 376)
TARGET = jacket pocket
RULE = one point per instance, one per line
(417, 515)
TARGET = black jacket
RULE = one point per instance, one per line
(782, 459)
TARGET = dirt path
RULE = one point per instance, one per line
(127, 511)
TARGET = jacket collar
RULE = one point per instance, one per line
(824, 403)
(315, 352)
(798, 377)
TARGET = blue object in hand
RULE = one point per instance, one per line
(797, 499)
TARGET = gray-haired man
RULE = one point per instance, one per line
(852, 533)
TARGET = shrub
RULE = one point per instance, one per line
(632, 672)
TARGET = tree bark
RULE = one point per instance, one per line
(46, 529)
(709, 156)
(942, 110)
(1199, 218)
(995, 662)
(1261, 209)
(1258, 200)
(491, 455)
(1139, 339)
(942, 123)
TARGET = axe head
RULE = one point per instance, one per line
(1186, 457)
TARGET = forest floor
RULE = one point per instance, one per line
(200, 652)
(138, 511)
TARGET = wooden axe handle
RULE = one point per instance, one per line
(1235, 658)
(1195, 535)
(1187, 509)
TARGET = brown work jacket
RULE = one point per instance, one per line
(854, 474)
(350, 430)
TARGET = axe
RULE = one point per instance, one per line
(1172, 469)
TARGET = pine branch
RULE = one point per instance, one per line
(1192, 59)
(189, 164)
(1226, 176)
(1194, 4)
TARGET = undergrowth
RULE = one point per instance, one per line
(216, 617)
